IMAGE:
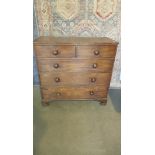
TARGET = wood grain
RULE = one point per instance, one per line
(74, 68)
(75, 65)
(96, 51)
(55, 51)
(50, 40)
(88, 92)
(75, 78)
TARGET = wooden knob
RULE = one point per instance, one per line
(94, 65)
(56, 65)
(93, 79)
(55, 52)
(57, 79)
(91, 92)
(58, 94)
(96, 52)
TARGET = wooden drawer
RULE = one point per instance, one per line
(96, 51)
(63, 51)
(74, 78)
(82, 92)
(69, 65)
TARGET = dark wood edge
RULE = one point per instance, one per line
(85, 99)
(67, 44)
(72, 85)
(90, 71)
(77, 58)
(102, 101)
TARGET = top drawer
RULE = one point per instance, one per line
(96, 51)
(55, 51)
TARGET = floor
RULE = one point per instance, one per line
(77, 127)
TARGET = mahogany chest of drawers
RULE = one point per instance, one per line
(74, 68)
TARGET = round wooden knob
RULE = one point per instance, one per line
(91, 93)
(96, 52)
(58, 94)
(93, 79)
(57, 79)
(94, 65)
(56, 65)
(55, 52)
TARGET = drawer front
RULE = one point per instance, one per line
(55, 51)
(74, 92)
(86, 78)
(98, 65)
(96, 51)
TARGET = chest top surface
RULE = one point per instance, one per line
(48, 40)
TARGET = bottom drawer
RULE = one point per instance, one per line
(80, 92)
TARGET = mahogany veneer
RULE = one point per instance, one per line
(74, 68)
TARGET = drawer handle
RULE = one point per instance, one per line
(55, 52)
(91, 93)
(58, 94)
(56, 65)
(57, 79)
(96, 52)
(93, 79)
(94, 65)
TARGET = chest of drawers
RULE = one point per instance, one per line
(74, 68)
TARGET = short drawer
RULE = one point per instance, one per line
(82, 92)
(95, 65)
(75, 78)
(63, 51)
(107, 51)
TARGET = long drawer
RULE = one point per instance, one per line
(84, 92)
(69, 65)
(74, 78)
